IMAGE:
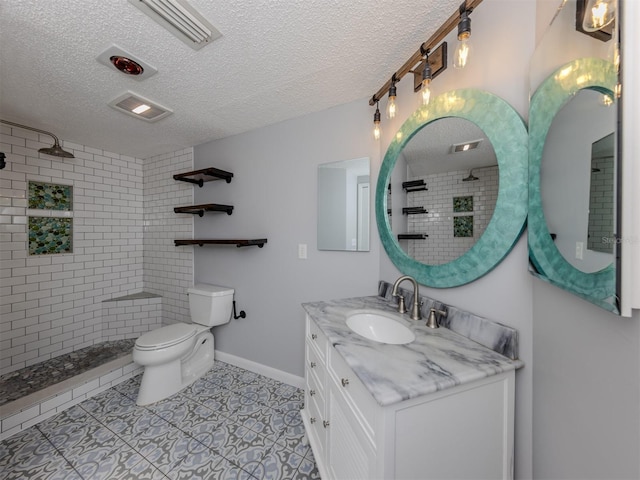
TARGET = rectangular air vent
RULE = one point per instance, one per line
(181, 19)
(139, 107)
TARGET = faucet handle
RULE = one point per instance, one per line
(432, 321)
(402, 308)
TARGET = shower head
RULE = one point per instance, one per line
(470, 178)
(55, 150)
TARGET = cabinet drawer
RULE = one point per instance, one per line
(315, 365)
(354, 391)
(316, 338)
(317, 419)
(315, 390)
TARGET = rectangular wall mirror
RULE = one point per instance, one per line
(344, 200)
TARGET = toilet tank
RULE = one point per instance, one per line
(210, 305)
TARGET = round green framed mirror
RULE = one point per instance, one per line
(508, 135)
(550, 101)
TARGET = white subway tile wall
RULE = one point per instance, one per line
(52, 304)
(168, 270)
(441, 246)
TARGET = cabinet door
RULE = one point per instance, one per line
(349, 453)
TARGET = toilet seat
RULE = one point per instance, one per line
(166, 336)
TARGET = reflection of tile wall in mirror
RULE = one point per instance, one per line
(463, 204)
(49, 196)
(50, 235)
(463, 226)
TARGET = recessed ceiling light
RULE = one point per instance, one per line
(465, 146)
(139, 107)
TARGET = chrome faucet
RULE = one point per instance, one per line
(415, 309)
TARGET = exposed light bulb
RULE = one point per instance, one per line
(463, 51)
(392, 109)
(426, 91)
(606, 100)
(464, 47)
(598, 14)
(377, 132)
(426, 79)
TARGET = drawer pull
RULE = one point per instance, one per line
(312, 364)
(312, 420)
(312, 392)
(345, 382)
(314, 336)
(325, 424)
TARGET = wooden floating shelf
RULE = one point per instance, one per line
(238, 243)
(414, 186)
(413, 210)
(412, 236)
(199, 177)
(201, 209)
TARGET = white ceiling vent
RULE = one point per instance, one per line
(181, 19)
(139, 107)
(465, 146)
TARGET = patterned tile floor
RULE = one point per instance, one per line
(230, 424)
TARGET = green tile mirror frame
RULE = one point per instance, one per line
(599, 287)
(508, 135)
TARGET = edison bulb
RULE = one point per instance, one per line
(463, 52)
(426, 91)
(391, 107)
(377, 132)
(598, 14)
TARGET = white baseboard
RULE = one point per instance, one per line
(270, 372)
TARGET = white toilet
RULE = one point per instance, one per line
(175, 356)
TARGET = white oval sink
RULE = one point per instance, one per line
(380, 328)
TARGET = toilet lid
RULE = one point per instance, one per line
(166, 336)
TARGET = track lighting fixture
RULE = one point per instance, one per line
(376, 122)
(429, 61)
(426, 79)
(463, 50)
(391, 104)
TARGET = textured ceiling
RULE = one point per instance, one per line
(277, 59)
(429, 150)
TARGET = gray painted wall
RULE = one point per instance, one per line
(274, 193)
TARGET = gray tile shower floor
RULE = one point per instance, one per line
(230, 424)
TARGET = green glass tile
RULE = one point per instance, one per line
(49, 196)
(463, 226)
(463, 204)
(50, 235)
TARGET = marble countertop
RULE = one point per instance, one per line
(436, 360)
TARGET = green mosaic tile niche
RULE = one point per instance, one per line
(49, 196)
(463, 204)
(50, 235)
(463, 226)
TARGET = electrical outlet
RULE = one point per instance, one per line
(579, 250)
(302, 251)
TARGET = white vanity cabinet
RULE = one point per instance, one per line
(461, 432)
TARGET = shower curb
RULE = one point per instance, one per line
(21, 414)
